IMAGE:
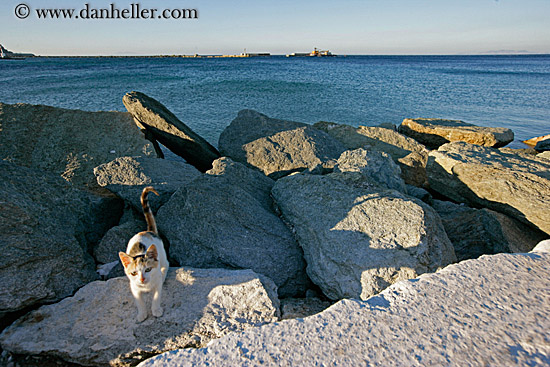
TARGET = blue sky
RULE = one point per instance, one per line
(284, 26)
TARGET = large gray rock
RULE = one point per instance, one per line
(476, 232)
(127, 176)
(436, 132)
(97, 326)
(163, 126)
(251, 180)
(212, 222)
(69, 143)
(374, 166)
(514, 184)
(359, 238)
(248, 126)
(410, 155)
(492, 311)
(48, 227)
(293, 151)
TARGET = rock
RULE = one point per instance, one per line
(359, 238)
(248, 126)
(520, 151)
(69, 143)
(165, 127)
(116, 239)
(544, 155)
(533, 141)
(410, 155)
(492, 311)
(212, 222)
(543, 145)
(347, 135)
(47, 229)
(516, 185)
(378, 138)
(413, 168)
(476, 232)
(293, 151)
(376, 167)
(542, 246)
(127, 176)
(293, 308)
(436, 132)
(420, 193)
(278, 147)
(388, 125)
(97, 326)
(251, 180)
(110, 270)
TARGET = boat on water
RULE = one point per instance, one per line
(314, 53)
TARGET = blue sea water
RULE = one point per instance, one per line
(206, 94)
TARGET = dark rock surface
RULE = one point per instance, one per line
(476, 232)
(48, 227)
(167, 129)
(68, 143)
(216, 222)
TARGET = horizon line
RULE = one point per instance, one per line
(252, 55)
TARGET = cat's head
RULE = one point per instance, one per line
(142, 267)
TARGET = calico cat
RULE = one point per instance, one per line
(145, 262)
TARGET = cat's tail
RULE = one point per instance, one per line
(151, 224)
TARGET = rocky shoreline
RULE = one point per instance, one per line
(279, 221)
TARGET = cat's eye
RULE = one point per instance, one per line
(147, 270)
(134, 273)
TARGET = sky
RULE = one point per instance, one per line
(366, 27)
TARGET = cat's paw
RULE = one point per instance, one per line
(157, 312)
(141, 317)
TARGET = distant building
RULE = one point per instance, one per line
(314, 53)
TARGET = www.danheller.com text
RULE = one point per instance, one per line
(132, 11)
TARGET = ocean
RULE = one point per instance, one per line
(510, 91)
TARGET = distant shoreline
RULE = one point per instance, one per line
(247, 57)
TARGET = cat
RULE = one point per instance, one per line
(145, 263)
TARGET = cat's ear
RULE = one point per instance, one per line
(124, 258)
(152, 252)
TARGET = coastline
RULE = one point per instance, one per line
(209, 56)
